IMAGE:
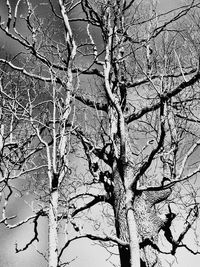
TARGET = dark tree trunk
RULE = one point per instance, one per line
(124, 254)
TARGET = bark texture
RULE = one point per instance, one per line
(137, 221)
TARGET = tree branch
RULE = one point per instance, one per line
(166, 96)
(35, 237)
(96, 200)
(94, 238)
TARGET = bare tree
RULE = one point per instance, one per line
(35, 109)
(126, 87)
(142, 152)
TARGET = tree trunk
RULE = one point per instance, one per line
(120, 219)
(133, 236)
(124, 254)
(53, 230)
(125, 223)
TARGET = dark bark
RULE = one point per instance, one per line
(124, 254)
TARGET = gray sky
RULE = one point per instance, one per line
(87, 255)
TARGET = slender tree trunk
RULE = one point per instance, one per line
(125, 223)
(53, 230)
(133, 234)
(120, 219)
(130, 256)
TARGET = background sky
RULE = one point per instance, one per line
(87, 255)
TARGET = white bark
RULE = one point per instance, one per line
(133, 235)
(53, 230)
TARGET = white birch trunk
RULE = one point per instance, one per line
(53, 230)
(133, 234)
